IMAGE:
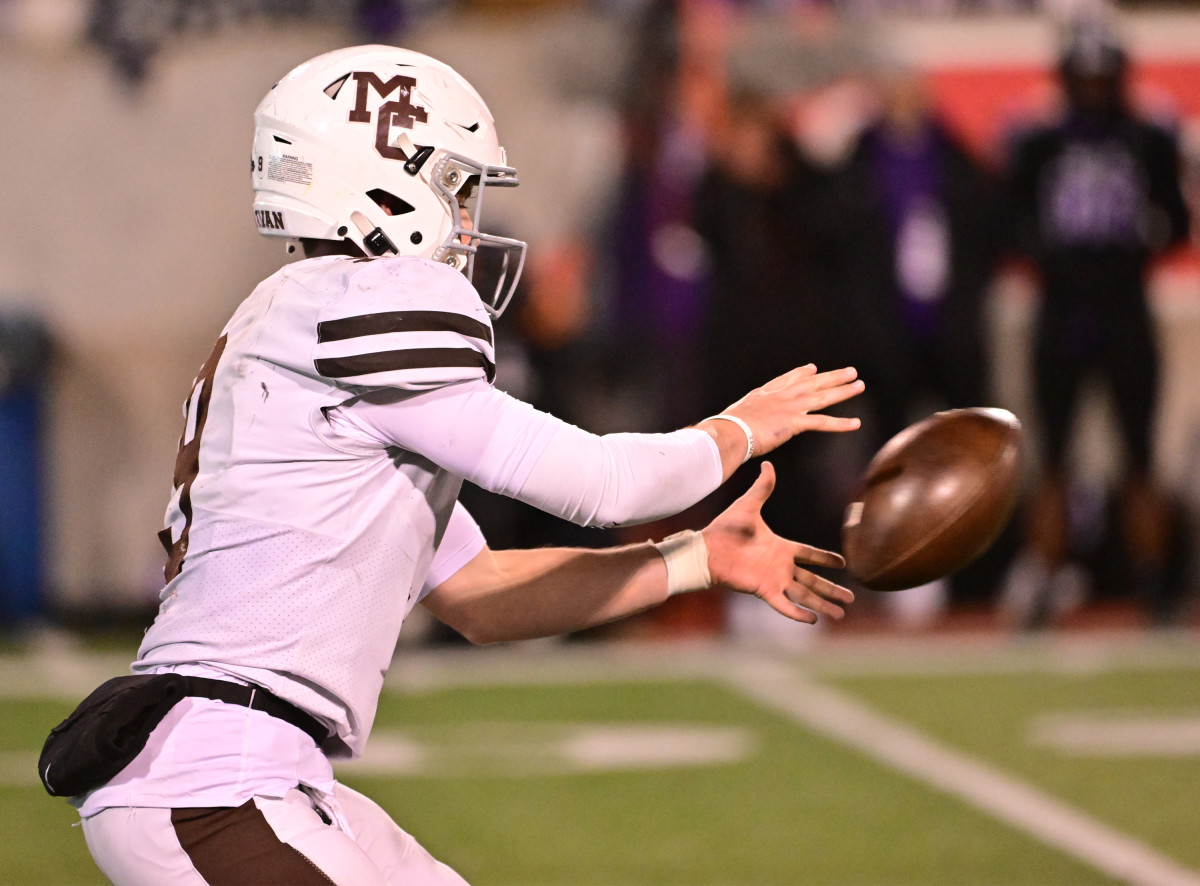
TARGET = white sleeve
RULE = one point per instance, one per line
(461, 542)
(505, 445)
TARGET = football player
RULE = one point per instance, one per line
(1097, 196)
(314, 498)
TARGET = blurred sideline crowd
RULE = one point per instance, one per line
(737, 249)
(742, 241)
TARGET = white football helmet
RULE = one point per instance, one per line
(382, 146)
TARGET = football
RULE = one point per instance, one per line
(933, 498)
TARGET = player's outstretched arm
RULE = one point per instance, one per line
(522, 594)
(782, 408)
(506, 446)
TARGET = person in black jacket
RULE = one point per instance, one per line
(1096, 196)
(915, 229)
(756, 209)
(914, 234)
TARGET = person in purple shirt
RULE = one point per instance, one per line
(913, 228)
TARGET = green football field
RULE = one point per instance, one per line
(981, 760)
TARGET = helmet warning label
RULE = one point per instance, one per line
(289, 168)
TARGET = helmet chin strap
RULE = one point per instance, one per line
(374, 239)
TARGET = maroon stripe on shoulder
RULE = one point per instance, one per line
(235, 846)
(412, 358)
(402, 321)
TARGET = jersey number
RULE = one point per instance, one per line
(187, 460)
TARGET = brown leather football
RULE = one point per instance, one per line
(933, 498)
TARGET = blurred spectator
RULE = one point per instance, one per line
(132, 32)
(766, 314)
(674, 91)
(914, 224)
(1097, 197)
(754, 209)
(24, 354)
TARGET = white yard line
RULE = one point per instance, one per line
(1117, 734)
(552, 664)
(521, 750)
(62, 672)
(905, 749)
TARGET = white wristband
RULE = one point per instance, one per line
(745, 428)
(686, 556)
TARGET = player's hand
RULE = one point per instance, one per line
(782, 408)
(745, 555)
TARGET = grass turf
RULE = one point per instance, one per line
(1152, 797)
(797, 809)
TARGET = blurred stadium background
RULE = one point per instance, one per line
(927, 739)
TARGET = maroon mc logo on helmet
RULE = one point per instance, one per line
(397, 112)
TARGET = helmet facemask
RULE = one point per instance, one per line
(463, 184)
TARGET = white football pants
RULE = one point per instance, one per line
(346, 840)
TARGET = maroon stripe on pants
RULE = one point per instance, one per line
(235, 846)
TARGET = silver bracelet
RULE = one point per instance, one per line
(745, 428)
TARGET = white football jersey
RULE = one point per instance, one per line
(296, 551)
